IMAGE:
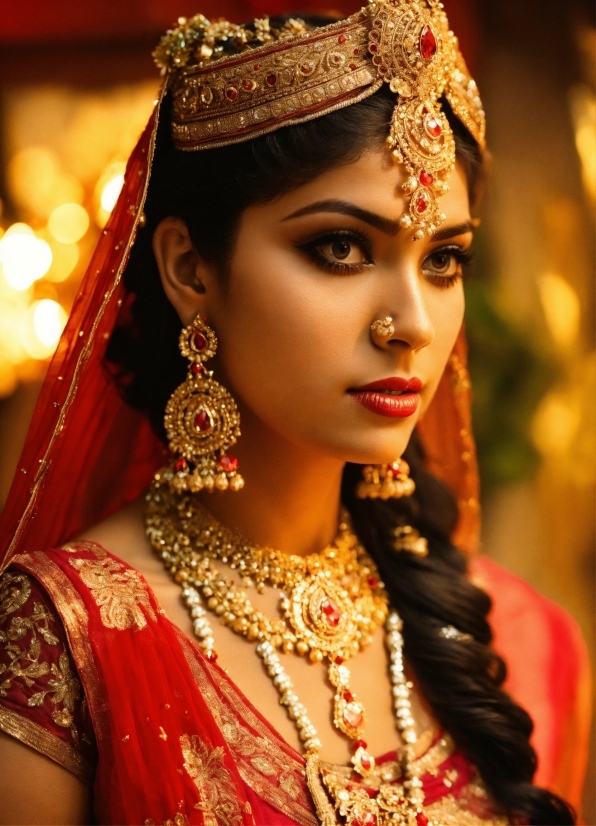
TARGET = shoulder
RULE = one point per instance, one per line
(41, 699)
(548, 671)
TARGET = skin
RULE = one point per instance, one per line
(293, 339)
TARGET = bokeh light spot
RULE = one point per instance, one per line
(69, 223)
(24, 258)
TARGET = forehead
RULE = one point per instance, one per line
(373, 182)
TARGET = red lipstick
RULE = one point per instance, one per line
(394, 397)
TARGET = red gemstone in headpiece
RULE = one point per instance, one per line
(196, 369)
(348, 696)
(359, 744)
(373, 48)
(341, 38)
(373, 582)
(202, 421)
(231, 93)
(228, 463)
(421, 819)
(199, 341)
(421, 204)
(180, 465)
(428, 43)
(433, 126)
(249, 85)
(271, 80)
(353, 66)
(426, 179)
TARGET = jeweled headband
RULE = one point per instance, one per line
(232, 83)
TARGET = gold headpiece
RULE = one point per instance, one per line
(232, 83)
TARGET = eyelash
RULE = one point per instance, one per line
(353, 236)
(464, 257)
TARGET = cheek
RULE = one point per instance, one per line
(283, 338)
(446, 311)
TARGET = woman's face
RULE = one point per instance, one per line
(309, 275)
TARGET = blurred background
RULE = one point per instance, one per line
(77, 84)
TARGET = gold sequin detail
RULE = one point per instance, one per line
(218, 801)
(21, 640)
(119, 593)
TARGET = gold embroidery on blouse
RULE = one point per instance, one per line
(85, 545)
(218, 800)
(25, 664)
(449, 811)
(119, 592)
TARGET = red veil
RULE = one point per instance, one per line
(88, 454)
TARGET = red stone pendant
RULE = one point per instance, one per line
(228, 463)
(426, 179)
(433, 126)
(353, 716)
(180, 465)
(200, 341)
(421, 204)
(202, 422)
(367, 819)
(331, 612)
(428, 43)
(421, 819)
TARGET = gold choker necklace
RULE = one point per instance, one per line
(334, 602)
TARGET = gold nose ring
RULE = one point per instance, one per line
(383, 327)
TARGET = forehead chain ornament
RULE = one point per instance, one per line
(231, 83)
(409, 43)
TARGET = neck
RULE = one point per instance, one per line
(291, 497)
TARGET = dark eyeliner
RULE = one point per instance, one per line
(355, 236)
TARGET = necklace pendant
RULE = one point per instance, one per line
(363, 762)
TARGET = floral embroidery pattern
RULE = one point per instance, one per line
(21, 640)
(218, 796)
(119, 592)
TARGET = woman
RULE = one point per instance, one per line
(287, 253)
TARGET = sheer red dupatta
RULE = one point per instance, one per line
(87, 454)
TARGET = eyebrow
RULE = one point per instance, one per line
(346, 208)
(385, 225)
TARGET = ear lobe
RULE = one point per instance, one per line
(182, 270)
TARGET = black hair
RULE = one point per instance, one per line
(209, 190)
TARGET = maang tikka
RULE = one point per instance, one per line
(201, 420)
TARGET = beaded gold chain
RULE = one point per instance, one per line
(334, 602)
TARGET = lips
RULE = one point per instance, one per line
(395, 397)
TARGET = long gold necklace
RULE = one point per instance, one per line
(335, 601)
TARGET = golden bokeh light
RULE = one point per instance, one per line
(24, 257)
(107, 190)
(39, 184)
(561, 307)
(49, 319)
(65, 258)
(68, 223)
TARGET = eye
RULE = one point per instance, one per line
(340, 251)
(444, 266)
(344, 250)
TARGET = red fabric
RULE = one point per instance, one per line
(549, 674)
(151, 692)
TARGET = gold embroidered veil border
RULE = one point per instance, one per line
(87, 453)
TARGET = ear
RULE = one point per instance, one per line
(184, 275)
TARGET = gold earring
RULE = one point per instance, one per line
(409, 540)
(383, 327)
(202, 420)
(389, 481)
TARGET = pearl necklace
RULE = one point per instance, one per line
(320, 615)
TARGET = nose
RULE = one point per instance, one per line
(407, 322)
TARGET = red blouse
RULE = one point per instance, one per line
(78, 626)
